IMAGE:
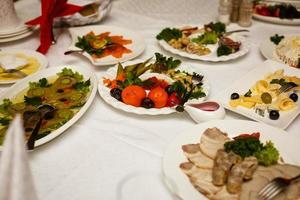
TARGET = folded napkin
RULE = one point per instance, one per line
(16, 181)
(50, 10)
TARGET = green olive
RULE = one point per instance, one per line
(266, 98)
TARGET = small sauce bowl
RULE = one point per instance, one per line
(205, 111)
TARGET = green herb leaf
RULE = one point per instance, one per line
(223, 50)
(34, 101)
(4, 121)
(163, 64)
(218, 27)
(168, 34)
(69, 72)
(4, 107)
(83, 86)
(276, 38)
(206, 38)
(268, 155)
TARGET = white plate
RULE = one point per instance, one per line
(40, 58)
(21, 27)
(105, 94)
(242, 85)
(18, 36)
(267, 48)
(137, 46)
(277, 20)
(3, 36)
(179, 183)
(22, 85)
(245, 47)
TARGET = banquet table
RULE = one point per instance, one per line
(111, 154)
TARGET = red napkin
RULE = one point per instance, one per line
(50, 10)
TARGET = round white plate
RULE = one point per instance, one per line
(2, 36)
(40, 58)
(20, 86)
(137, 46)
(277, 20)
(245, 47)
(18, 36)
(267, 49)
(105, 94)
(179, 183)
(21, 27)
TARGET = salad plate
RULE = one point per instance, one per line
(70, 90)
(210, 45)
(32, 62)
(133, 44)
(179, 183)
(259, 109)
(105, 91)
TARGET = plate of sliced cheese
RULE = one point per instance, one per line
(268, 93)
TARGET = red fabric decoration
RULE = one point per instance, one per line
(50, 10)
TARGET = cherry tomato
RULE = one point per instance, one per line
(159, 96)
(173, 100)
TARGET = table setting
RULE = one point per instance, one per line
(100, 99)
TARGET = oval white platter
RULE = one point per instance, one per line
(23, 84)
(40, 58)
(179, 183)
(267, 49)
(137, 46)
(245, 47)
(277, 20)
(111, 74)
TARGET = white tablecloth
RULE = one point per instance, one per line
(110, 154)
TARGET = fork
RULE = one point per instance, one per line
(287, 86)
(276, 186)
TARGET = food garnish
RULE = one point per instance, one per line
(104, 44)
(276, 38)
(250, 145)
(195, 40)
(67, 93)
(275, 93)
(154, 92)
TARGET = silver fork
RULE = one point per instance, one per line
(276, 186)
(287, 86)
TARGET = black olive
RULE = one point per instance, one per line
(169, 89)
(147, 103)
(294, 97)
(274, 114)
(116, 93)
(60, 91)
(63, 99)
(234, 96)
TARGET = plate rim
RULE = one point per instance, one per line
(276, 20)
(136, 34)
(186, 134)
(53, 70)
(103, 92)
